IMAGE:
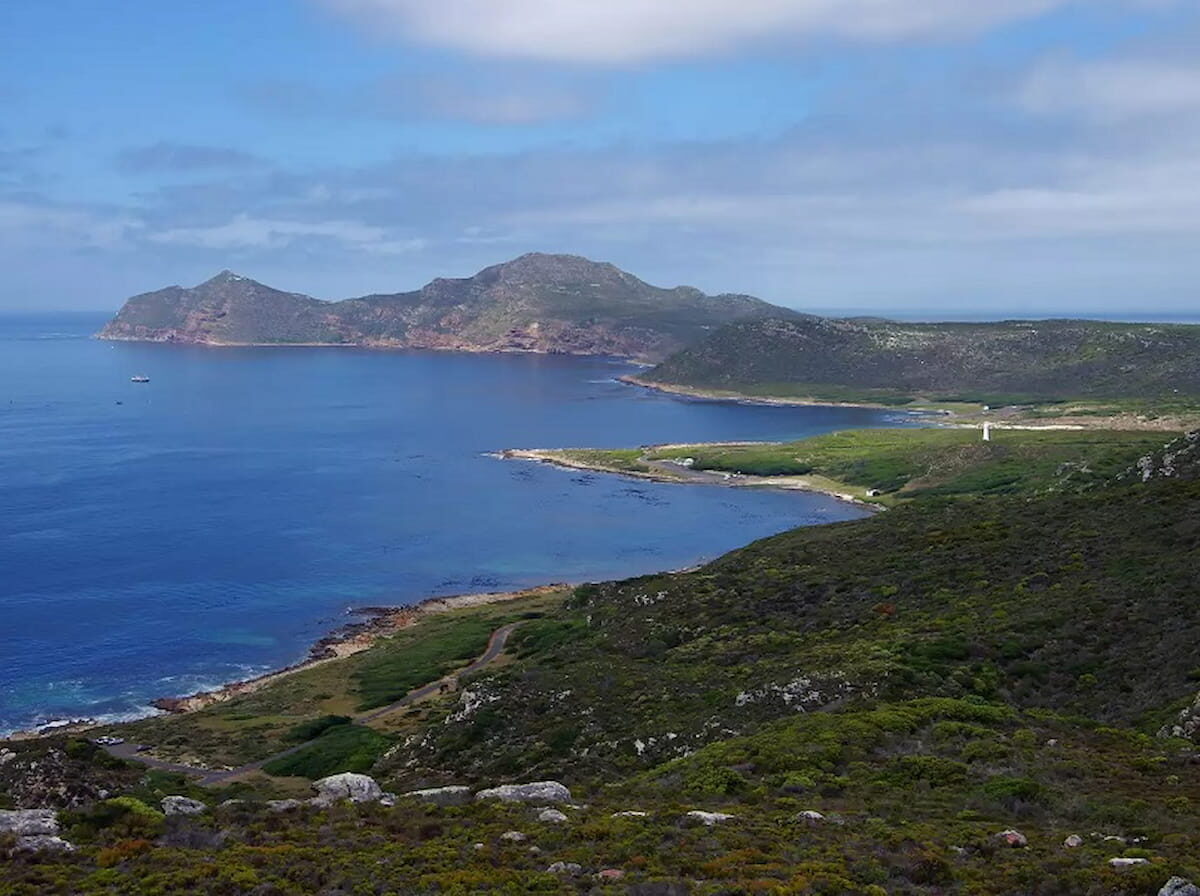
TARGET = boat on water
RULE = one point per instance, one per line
(139, 379)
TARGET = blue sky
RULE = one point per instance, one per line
(950, 158)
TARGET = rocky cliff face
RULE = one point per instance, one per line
(536, 303)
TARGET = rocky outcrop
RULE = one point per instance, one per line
(535, 792)
(182, 805)
(441, 796)
(1179, 886)
(551, 816)
(1179, 459)
(565, 869)
(35, 830)
(1012, 838)
(708, 818)
(1186, 724)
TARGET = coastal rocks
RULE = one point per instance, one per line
(708, 818)
(347, 786)
(1075, 841)
(1179, 886)
(551, 816)
(565, 869)
(441, 796)
(535, 792)
(36, 830)
(182, 805)
(1012, 838)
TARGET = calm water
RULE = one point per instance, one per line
(156, 539)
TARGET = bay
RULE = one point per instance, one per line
(160, 538)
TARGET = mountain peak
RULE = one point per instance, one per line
(226, 276)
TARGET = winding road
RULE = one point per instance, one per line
(207, 777)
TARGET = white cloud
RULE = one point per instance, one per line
(28, 224)
(1113, 90)
(248, 232)
(621, 31)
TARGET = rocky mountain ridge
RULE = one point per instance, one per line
(536, 303)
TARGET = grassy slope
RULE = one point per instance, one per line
(929, 676)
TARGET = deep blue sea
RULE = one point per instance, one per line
(157, 539)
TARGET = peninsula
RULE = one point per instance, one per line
(556, 304)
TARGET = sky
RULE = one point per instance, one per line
(950, 158)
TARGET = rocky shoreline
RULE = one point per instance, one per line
(374, 623)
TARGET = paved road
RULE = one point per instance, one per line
(206, 776)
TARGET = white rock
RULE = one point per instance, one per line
(43, 843)
(442, 796)
(1122, 862)
(708, 818)
(811, 816)
(1073, 842)
(1012, 838)
(630, 813)
(570, 869)
(535, 792)
(1179, 886)
(29, 822)
(514, 836)
(182, 805)
(347, 786)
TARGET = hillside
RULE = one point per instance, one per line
(965, 695)
(539, 303)
(889, 362)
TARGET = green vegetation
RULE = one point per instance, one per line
(892, 465)
(985, 656)
(256, 725)
(886, 362)
(341, 748)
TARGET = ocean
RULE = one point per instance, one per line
(160, 538)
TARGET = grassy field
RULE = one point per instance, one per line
(894, 465)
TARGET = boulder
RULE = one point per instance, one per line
(283, 805)
(565, 869)
(610, 874)
(810, 816)
(631, 813)
(1015, 839)
(29, 822)
(1074, 842)
(708, 818)
(551, 816)
(182, 805)
(1122, 862)
(36, 830)
(442, 796)
(1179, 886)
(347, 786)
(514, 837)
(536, 792)
(43, 843)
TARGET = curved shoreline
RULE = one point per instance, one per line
(346, 640)
(683, 476)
